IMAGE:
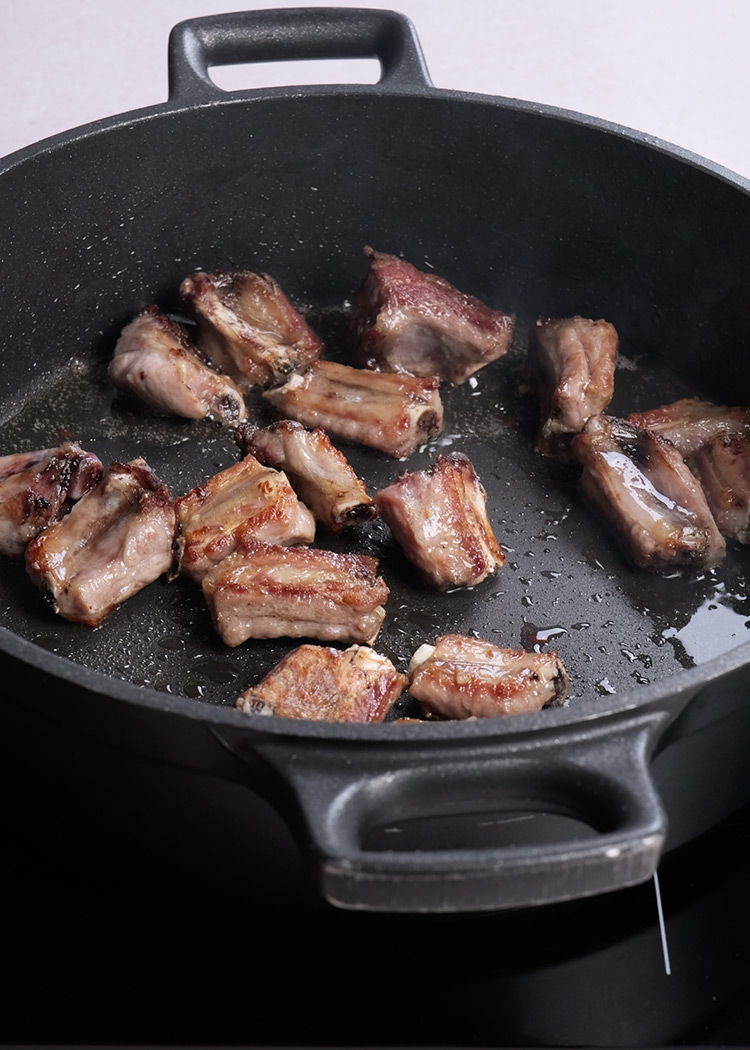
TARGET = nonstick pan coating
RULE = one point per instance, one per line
(532, 210)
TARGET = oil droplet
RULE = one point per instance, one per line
(424, 621)
(215, 670)
(50, 643)
(172, 642)
(533, 637)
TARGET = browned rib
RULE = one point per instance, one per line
(326, 684)
(319, 473)
(39, 488)
(406, 320)
(116, 540)
(462, 677)
(249, 328)
(691, 422)
(642, 487)
(268, 591)
(248, 500)
(722, 466)
(571, 365)
(155, 361)
(392, 413)
(439, 518)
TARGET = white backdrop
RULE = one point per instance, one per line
(677, 69)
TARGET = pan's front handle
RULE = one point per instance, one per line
(348, 799)
(292, 34)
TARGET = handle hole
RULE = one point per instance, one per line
(504, 829)
(247, 75)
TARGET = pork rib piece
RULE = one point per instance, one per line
(722, 466)
(439, 517)
(117, 539)
(691, 422)
(319, 473)
(326, 684)
(641, 485)
(39, 488)
(571, 365)
(155, 361)
(462, 677)
(249, 328)
(248, 500)
(406, 320)
(388, 412)
(267, 591)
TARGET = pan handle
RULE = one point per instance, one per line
(355, 804)
(289, 34)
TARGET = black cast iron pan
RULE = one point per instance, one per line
(533, 210)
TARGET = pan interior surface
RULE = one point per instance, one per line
(565, 584)
(553, 218)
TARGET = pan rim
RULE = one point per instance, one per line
(420, 92)
(665, 694)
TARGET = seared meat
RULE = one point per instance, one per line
(571, 365)
(642, 486)
(249, 328)
(439, 517)
(722, 466)
(38, 488)
(409, 321)
(392, 413)
(690, 422)
(246, 500)
(116, 539)
(320, 474)
(461, 677)
(155, 361)
(322, 683)
(267, 591)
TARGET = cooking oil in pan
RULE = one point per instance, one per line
(565, 584)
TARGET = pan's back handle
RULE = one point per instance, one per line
(353, 806)
(292, 34)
